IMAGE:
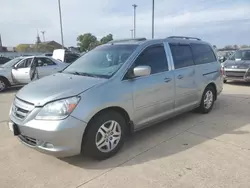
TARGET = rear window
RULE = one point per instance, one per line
(203, 54)
(182, 55)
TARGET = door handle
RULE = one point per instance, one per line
(167, 79)
(180, 77)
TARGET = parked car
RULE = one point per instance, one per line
(4, 60)
(23, 70)
(237, 67)
(65, 56)
(114, 90)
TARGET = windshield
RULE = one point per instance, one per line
(11, 63)
(102, 61)
(241, 55)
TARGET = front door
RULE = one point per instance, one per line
(21, 73)
(153, 95)
(45, 66)
(186, 87)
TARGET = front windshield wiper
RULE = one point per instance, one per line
(87, 74)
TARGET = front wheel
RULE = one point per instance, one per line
(105, 135)
(207, 100)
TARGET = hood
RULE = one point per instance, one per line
(55, 87)
(240, 63)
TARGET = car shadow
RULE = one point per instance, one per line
(223, 119)
(238, 83)
(13, 89)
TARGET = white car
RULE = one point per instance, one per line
(22, 70)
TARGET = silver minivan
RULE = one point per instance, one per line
(114, 90)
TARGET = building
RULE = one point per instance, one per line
(4, 48)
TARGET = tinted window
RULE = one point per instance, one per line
(202, 54)
(155, 57)
(25, 63)
(69, 58)
(40, 62)
(182, 55)
(241, 55)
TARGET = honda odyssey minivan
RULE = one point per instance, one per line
(114, 90)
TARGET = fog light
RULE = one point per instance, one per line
(48, 145)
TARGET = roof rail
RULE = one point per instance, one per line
(127, 40)
(183, 37)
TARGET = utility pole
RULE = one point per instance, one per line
(134, 5)
(60, 15)
(132, 33)
(153, 18)
(43, 33)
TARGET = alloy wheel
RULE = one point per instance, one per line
(2, 85)
(208, 99)
(108, 136)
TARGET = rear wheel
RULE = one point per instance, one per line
(105, 135)
(207, 100)
(3, 84)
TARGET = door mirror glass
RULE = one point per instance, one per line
(141, 71)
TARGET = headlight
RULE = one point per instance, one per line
(59, 109)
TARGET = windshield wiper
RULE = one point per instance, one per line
(88, 74)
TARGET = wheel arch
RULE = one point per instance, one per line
(6, 80)
(118, 109)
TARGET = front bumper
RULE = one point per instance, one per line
(60, 138)
(237, 74)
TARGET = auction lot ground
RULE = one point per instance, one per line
(192, 150)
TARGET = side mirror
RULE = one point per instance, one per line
(141, 71)
(15, 67)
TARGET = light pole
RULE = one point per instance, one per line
(43, 33)
(134, 5)
(153, 18)
(132, 34)
(60, 15)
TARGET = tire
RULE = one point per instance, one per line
(97, 134)
(3, 85)
(225, 81)
(207, 107)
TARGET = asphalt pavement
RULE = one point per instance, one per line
(191, 150)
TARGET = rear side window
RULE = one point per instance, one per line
(182, 55)
(203, 54)
(25, 63)
(155, 57)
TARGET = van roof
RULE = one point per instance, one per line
(175, 39)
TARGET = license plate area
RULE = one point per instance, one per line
(14, 128)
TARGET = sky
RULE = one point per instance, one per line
(220, 22)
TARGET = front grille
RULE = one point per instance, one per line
(20, 108)
(235, 74)
(28, 140)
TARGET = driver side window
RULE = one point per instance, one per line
(43, 62)
(25, 63)
(232, 57)
(154, 57)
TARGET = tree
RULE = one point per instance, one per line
(87, 42)
(228, 47)
(236, 46)
(106, 39)
(41, 47)
(23, 48)
(244, 46)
